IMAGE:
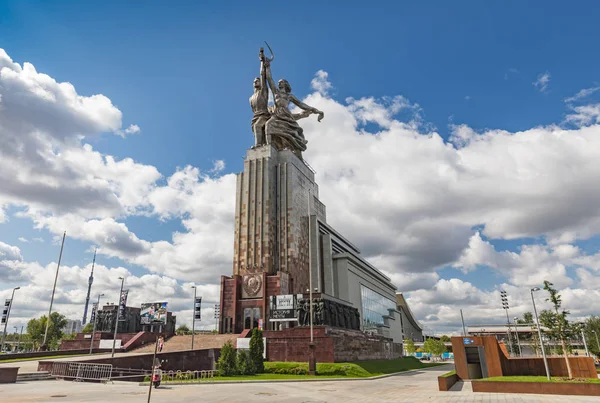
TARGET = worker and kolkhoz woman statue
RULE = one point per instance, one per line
(277, 125)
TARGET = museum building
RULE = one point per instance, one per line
(272, 247)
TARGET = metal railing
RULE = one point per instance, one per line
(82, 371)
(188, 376)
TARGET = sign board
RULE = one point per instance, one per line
(93, 316)
(198, 308)
(283, 308)
(244, 344)
(153, 312)
(107, 344)
(122, 304)
(5, 310)
(466, 340)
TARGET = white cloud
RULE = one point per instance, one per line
(542, 82)
(582, 94)
(24, 240)
(584, 115)
(320, 83)
(132, 129)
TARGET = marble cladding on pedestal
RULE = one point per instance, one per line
(271, 226)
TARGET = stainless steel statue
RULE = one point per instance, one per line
(276, 125)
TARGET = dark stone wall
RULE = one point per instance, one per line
(192, 360)
(331, 345)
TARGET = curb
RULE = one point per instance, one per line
(370, 378)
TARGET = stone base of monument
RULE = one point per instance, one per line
(330, 345)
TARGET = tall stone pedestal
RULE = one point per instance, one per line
(271, 234)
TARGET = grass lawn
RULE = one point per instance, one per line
(538, 379)
(299, 370)
(447, 374)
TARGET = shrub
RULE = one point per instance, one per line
(257, 349)
(245, 366)
(227, 363)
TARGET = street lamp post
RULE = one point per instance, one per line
(537, 322)
(117, 318)
(463, 323)
(517, 333)
(587, 352)
(53, 290)
(95, 320)
(12, 299)
(20, 336)
(312, 364)
(505, 307)
(194, 317)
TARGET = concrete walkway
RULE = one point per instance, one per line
(416, 387)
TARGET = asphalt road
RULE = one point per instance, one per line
(417, 387)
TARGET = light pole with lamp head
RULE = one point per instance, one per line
(117, 318)
(312, 361)
(194, 317)
(12, 299)
(537, 322)
(95, 320)
(517, 334)
(597, 341)
(505, 307)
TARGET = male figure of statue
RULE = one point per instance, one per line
(259, 102)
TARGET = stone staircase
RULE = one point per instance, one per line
(34, 376)
(201, 342)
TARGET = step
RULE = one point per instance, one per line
(34, 376)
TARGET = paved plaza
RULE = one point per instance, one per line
(417, 387)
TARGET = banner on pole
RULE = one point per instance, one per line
(5, 310)
(122, 304)
(198, 308)
(93, 315)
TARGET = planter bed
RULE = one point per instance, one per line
(542, 387)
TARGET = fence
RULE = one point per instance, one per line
(81, 371)
(188, 376)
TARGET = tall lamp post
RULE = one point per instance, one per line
(95, 320)
(587, 352)
(194, 317)
(517, 333)
(597, 341)
(12, 299)
(117, 318)
(537, 322)
(505, 307)
(53, 290)
(312, 364)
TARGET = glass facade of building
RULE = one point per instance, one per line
(374, 307)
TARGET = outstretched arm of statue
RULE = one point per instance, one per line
(308, 108)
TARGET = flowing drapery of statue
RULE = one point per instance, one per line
(277, 125)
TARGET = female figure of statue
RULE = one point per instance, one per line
(281, 129)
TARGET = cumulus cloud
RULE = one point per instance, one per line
(542, 82)
(412, 202)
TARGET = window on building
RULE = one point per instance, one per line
(374, 307)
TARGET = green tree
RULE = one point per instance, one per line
(257, 349)
(227, 363)
(89, 328)
(445, 339)
(434, 347)
(37, 327)
(245, 365)
(557, 323)
(183, 330)
(409, 346)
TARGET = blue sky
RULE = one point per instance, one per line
(183, 73)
